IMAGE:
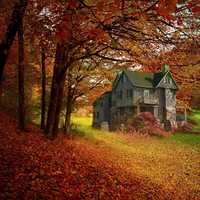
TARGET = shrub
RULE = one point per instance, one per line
(146, 124)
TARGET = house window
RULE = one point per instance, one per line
(146, 93)
(129, 93)
(97, 115)
(102, 104)
(119, 94)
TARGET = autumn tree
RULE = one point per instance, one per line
(82, 79)
(12, 28)
(21, 96)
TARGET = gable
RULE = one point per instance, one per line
(167, 81)
(122, 81)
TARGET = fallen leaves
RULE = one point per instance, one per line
(33, 167)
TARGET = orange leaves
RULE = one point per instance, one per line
(72, 4)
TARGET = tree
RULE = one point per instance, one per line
(82, 79)
(12, 28)
(21, 94)
(43, 99)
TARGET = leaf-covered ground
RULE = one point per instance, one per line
(96, 166)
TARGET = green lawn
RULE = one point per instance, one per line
(195, 116)
(83, 125)
(174, 160)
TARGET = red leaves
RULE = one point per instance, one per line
(72, 4)
(166, 7)
(98, 35)
(64, 33)
(196, 10)
(194, 6)
(180, 21)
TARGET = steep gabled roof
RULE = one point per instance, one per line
(144, 79)
(140, 79)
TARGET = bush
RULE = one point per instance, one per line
(146, 124)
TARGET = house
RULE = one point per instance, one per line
(134, 92)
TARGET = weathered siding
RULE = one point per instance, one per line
(127, 100)
(170, 105)
(123, 92)
(101, 112)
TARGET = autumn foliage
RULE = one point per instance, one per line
(145, 124)
(33, 167)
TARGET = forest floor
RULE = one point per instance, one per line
(96, 165)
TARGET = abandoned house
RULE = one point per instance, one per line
(134, 92)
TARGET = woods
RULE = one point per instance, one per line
(70, 36)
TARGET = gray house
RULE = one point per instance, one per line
(134, 92)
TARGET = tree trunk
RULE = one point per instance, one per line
(43, 99)
(59, 105)
(56, 92)
(68, 112)
(13, 27)
(21, 98)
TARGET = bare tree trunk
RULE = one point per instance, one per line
(68, 112)
(21, 97)
(56, 92)
(13, 27)
(59, 105)
(43, 99)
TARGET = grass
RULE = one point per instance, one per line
(172, 162)
(195, 116)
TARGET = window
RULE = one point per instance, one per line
(119, 94)
(102, 104)
(129, 93)
(97, 114)
(146, 93)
